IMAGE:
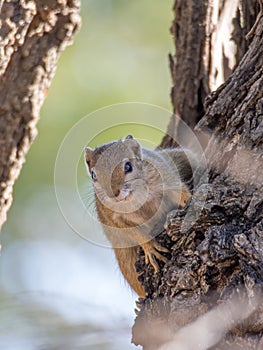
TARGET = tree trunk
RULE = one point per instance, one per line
(210, 40)
(32, 36)
(218, 259)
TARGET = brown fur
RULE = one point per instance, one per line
(132, 206)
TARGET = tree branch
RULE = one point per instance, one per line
(32, 36)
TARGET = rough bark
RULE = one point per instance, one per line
(187, 66)
(32, 36)
(220, 256)
(210, 40)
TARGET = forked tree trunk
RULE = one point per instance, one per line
(32, 36)
(218, 258)
(210, 40)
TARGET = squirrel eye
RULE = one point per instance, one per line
(127, 167)
(93, 176)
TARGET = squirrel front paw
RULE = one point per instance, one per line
(151, 250)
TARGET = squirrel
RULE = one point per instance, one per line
(135, 188)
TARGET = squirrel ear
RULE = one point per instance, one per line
(135, 146)
(88, 155)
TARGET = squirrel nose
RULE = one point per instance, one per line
(113, 192)
(116, 193)
(115, 188)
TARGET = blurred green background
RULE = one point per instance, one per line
(56, 288)
(119, 55)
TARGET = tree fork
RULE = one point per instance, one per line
(210, 40)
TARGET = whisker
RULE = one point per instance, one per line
(88, 198)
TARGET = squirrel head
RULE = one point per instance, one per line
(115, 168)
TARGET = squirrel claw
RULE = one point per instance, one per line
(151, 251)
